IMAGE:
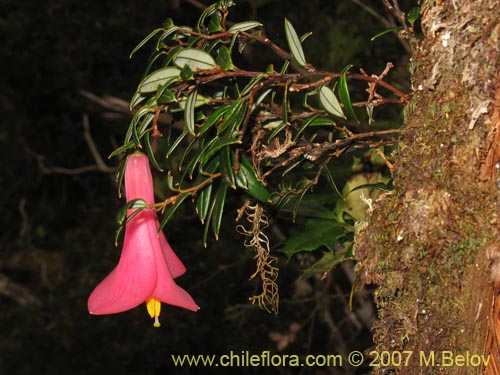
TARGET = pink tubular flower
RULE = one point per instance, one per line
(148, 265)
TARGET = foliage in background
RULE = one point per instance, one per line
(270, 134)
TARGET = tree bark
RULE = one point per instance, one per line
(432, 246)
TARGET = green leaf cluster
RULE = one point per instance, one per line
(271, 136)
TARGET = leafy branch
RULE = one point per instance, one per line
(271, 135)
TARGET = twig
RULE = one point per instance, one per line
(171, 200)
(16, 292)
(196, 4)
(276, 79)
(387, 22)
(100, 166)
(279, 51)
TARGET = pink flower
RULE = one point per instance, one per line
(148, 265)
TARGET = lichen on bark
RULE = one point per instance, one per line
(425, 243)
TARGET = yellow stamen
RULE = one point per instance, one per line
(154, 308)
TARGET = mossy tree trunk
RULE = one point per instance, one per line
(432, 245)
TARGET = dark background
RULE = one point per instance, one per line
(58, 220)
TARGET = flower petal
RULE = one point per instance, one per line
(175, 265)
(138, 179)
(166, 290)
(147, 264)
(139, 184)
(134, 278)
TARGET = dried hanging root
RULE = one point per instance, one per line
(268, 299)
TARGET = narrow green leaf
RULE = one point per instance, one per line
(137, 203)
(189, 122)
(246, 90)
(260, 99)
(186, 152)
(344, 94)
(150, 152)
(303, 127)
(285, 66)
(164, 36)
(200, 100)
(145, 40)
(254, 186)
(316, 234)
(136, 99)
(216, 146)
(311, 206)
(170, 181)
(282, 199)
(327, 262)
(120, 174)
(169, 212)
(224, 59)
(203, 170)
(322, 121)
(212, 46)
(168, 23)
(117, 234)
(196, 159)
(292, 166)
(132, 128)
(144, 124)
(210, 168)
(214, 118)
(305, 36)
(136, 138)
(163, 76)
(176, 143)
(244, 26)
(413, 15)
(331, 181)
(294, 44)
(122, 149)
(226, 167)
(234, 117)
(215, 23)
(140, 206)
(271, 125)
(207, 223)
(185, 33)
(122, 217)
(203, 202)
(286, 104)
(200, 116)
(378, 185)
(220, 198)
(170, 55)
(299, 202)
(196, 59)
(166, 96)
(206, 13)
(151, 61)
(386, 31)
(241, 179)
(315, 120)
(330, 102)
(234, 39)
(277, 130)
